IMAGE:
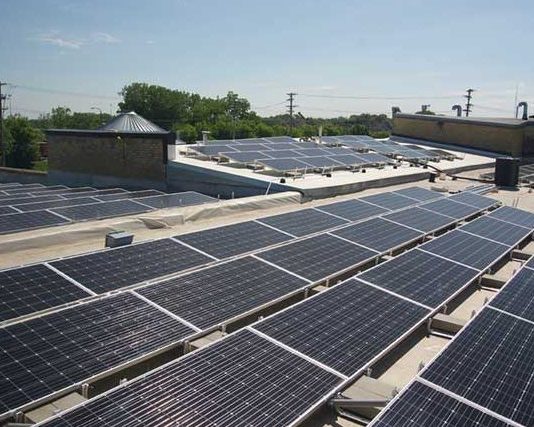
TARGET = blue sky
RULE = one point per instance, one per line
(81, 53)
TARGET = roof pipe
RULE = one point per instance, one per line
(525, 110)
(394, 111)
(458, 109)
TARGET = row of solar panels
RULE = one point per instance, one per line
(280, 369)
(111, 269)
(31, 206)
(197, 301)
(484, 376)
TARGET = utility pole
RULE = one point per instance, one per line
(291, 107)
(2, 108)
(468, 105)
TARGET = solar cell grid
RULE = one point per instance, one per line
(372, 158)
(213, 150)
(46, 354)
(280, 154)
(422, 406)
(500, 231)
(94, 193)
(347, 159)
(450, 208)
(352, 210)
(378, 234)
(517, 297)
(276, 139)
(303, 222)
(16, 191)
(102, 210)
(418, 193)
(284, 146)
(420, 219)
(34, 288)
(312, 152)
(490, 363)
(4, 210)
(247, 380)
(472, 199)
(304, 145)
(251, 147)
(247, 156)
(467, 249)
(389, 201)
(28, 207)
(17, 222)
(125, 266)
(420, 277)
(284, 165)
(318, 257)
(15, 201)
(129, 195)
(229, 240)
(186, 198)
(344, 327)
(514, 216)
(227, 290)
(319, 162)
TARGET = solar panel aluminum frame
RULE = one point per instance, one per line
(66, 221)
(106, 373)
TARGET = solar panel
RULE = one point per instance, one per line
(212, 150)
(101, 210)
(34, 288)
(17, 222)
(334, 151)
(251, 147)
(247, 380)
(378, 234)
(280, 154)
(28, 207)
(13, 185)
(246, 157)
(249, 141)
(15, 191)
(344, 327)
(356, 145)
(112, 269)
(94, 193)
(304, 145)
(421, 219)
(423, 406)
(46, 354)
(4, 210)
(15, 201)
(467, 249)
(490, 363)
(389, 201)
(514, 216)
(372, 158)
(418, 193)
(318, 257)
(217, 294)
(279, 139)
(517, 297)
(476, 200)
(500, 231)
(421, 277)
(352, 210)
(129, 195)
(186, 198)
(319, 162)
(284, 165)
(63, 191)
(347, 159)
(449, 208)
(312, 152)
(230, 240)
(283, 146)
(303, 222)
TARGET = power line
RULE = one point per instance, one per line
(62, 92)
(468, 105)
(291, 106)
(2, 108)
(379, 97)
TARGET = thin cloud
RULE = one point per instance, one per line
(55, 38)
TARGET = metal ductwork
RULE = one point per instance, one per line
(525, 110)
(458, 109)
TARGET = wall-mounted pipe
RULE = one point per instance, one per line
(525, 110)
(458, 109)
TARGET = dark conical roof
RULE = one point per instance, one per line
(131, 122)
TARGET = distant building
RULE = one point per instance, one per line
(129, 151)
(513, 137)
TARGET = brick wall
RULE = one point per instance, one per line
(131, 156)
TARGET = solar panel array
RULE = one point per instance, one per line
(484, 375)
(30, 206)
(340, 332)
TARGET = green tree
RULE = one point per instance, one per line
(187, 133)
(21, 142)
